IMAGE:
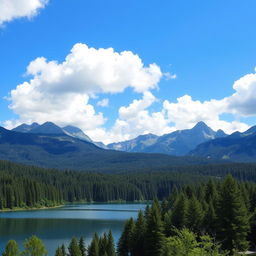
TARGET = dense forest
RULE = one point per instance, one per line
(29, 186)
(214, 218)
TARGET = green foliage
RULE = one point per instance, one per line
(82, 246)
(93, 249)
(179, 211)
(110, 249)
(11, 249)
(73, 248)
(28, 186)
(195, 215)
(125, 244)
(34, 247)
(139, 234)
(154, 232)
(233, 218)
(59, 252)
(185, 243)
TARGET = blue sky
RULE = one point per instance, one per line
(200, 49)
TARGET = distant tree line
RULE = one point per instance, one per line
(29, 186)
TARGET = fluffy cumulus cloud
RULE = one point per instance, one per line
(60, 92)
(89, 70)
(12, 9)
(243, 101)
(186, 113)
(134, 120)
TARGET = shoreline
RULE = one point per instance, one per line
(31, 208)
(69, 203)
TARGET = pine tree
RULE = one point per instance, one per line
(59, 252)
(168, 223)
(103, 241)
(63, 249)
(164, 207)
(154, 233)
(125, 243)
(139, 236)
(93, 249)
(73, 248)
(174, 194)
(194, 215)
(210, 220)
(233, 221)
(110, 250)
(11, 249)
(82, 246)
(179, 212)
(34, 247)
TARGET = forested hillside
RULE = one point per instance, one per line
(28, 186)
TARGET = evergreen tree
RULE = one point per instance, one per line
(82, 246)
(154, 233)
(59, 252)
(210, 220)
(173, 196)
(139, 235)
(73, 248)
(34, 247)
(233, 220)
(94, 246)
(164, 207)
(110, 250)
(11, 249)
(103, 241)
(179, 212)
(168, 223)
(63, 250)
(194, 215)
(125, 243)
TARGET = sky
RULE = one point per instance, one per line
(118, 69)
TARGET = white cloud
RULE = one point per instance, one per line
(170, 76)
(12, 9)
(89, 70)
(186, 113)
(243, 101)
(103, 102)
(135, 120)
(60, 92)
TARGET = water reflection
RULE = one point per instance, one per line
(57, 226)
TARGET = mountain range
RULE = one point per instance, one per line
(48, 145)
(177, 143)
(237, 147)
(68, 147)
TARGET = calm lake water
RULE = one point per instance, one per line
(58, 226)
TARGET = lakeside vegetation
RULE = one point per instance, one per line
(30, 187)
(217, 217)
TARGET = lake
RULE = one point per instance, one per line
(59, 225)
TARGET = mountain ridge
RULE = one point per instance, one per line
(178, 143)
(239, 146)
(62, 151)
